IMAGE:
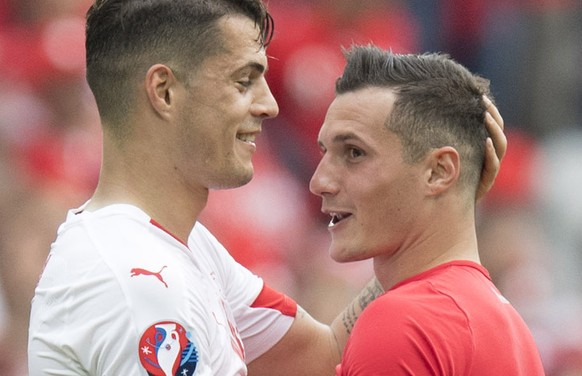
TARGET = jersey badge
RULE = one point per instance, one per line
(167, 349)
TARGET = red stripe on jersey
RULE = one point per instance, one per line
(158, 225)
(269, 298)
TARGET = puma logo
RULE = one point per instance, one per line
(158, 275)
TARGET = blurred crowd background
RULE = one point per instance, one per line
(530, 225)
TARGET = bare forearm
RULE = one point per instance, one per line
(310, 347)
(343, 324)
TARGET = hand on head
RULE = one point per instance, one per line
(496, 147)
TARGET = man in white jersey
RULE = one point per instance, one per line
(134, 285)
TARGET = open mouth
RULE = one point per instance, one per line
(248, 138)
(337, 218)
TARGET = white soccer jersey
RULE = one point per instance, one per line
(121, 296)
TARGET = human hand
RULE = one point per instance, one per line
(495, 148)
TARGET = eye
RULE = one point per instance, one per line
(244, 83)
(354, 152)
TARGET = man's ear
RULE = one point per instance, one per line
(443, 169)
(160, 86)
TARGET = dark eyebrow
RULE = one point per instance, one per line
(259, 67)
(342, 137)
(254, 66)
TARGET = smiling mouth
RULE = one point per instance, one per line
(248, 138)
(337, 218)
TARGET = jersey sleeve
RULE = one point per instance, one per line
(265, 321)
(262, 314)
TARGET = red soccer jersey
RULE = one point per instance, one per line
(449, 320)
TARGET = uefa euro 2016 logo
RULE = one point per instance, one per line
(167, 349)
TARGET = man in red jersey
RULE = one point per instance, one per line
(403, 149)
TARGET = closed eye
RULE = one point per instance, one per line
(244, 83)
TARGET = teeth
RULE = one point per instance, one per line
(335, 218)
(246, 137)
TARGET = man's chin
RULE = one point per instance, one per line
(339, 254)
(343, 254)
(235, 181)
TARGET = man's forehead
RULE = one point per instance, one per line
(240, 31)
(365, 105)
(357, 115)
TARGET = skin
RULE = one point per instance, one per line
(496, 147)
(407, 217)
(188, 138)
(356, 146)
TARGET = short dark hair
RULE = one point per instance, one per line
(439, 102)
(126, 37)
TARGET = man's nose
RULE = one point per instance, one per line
(322, 182)
(265, 105)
